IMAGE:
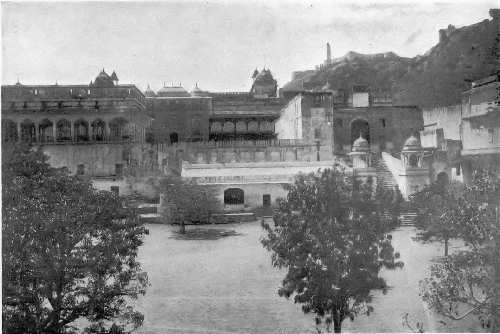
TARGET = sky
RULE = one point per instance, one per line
(216, 44)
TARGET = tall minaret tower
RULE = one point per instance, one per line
(328, 54)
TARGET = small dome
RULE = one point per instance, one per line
(173, 91)
(412, 144)
(360, 145)
(149, 92)
(196, 91)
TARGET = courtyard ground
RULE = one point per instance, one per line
(225, 283)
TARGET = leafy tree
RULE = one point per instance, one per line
(468, 282)
(69, 251)
(437, 206)
(332, 236)
(188, 202)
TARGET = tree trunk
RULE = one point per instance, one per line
(337, 328)
(182, 229)
(446, 247)
(337, 321)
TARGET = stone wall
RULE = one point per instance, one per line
(389, 127)
(187, 118)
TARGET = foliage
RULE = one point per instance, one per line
(331, 234)
(69, 251)
(468, 282)
(188, 201)
(437, 206)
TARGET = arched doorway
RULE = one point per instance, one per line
(442, 178)
(98, 130)
(234, 196)
(81, 130)
(360, 126)
(63, 130)
(28, 132)
(118, 129)
(45, 129)
(9, 130)
(174, 138)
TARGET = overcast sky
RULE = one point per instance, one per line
(215, 43)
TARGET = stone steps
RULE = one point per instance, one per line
(384, 176)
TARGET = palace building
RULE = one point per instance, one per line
(245, 145)
(97, 130)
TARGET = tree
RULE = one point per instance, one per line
(188, 202)
(468, 283)
(69, 251)
(332, 236)
(437, 204)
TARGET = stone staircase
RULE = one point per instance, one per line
(407, 218)
(383, 174)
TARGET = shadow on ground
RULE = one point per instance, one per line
(204, 234)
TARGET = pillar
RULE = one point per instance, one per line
(54, 131)
(37, 132)
(19, 131)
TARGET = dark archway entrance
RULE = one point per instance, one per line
(442, 178)
(174, 138)
(360, 126)
(234, 196)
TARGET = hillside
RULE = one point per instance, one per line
(436, 78)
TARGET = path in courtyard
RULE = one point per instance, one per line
(229, 286)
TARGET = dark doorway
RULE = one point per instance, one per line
(174, 138)
(360, 127)
(413, 161)
(266, 200)
(233, 196)
(442, 178)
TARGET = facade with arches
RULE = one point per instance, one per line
(97, 130)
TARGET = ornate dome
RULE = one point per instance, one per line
(196, 91)
(265, 77)
(412, 144)
(103, 80)
(172, 91)
(360, 145)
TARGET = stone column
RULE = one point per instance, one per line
(37, 132)
(19, 131)
(54, 131)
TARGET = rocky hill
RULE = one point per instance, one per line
(436, 78)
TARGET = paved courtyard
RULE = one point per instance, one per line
(228, 285)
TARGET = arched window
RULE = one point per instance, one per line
(81, 130)
(63, 130)
(28, 132)
(234, 196)
(253, 126)
(9, 130)
(228, 127)
(118, 129)
(46, 132)
(174, 138)
(360, 127)
(266, 126)
(241, 127)
(98, 130)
